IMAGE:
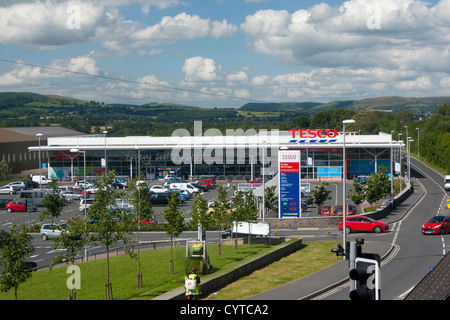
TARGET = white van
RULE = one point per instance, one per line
(41, 179)
(183, 186)
(447, 183)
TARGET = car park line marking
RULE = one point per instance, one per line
(55, 250)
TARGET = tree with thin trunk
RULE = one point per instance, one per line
(143, 210)
(72, 239)
(221, 213)
(174, 225)
(16, 247)
(111, 223)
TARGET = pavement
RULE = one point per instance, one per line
(311, 286)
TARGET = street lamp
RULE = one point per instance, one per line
(344, 164)
(39, 135)
(409, 158)
(418, 141)
(400, 160)
(85, 192)
(105, 132)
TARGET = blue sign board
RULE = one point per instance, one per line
(289, 184)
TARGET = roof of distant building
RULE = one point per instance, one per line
(16, 134)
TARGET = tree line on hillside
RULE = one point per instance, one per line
(162, 119)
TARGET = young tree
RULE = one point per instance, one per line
(200, 219)
(143, 210)
(271, 199)
(244, 210)
(53, 203)
(377, 187)
(174, 225)
(358, 193)
(246, 204)
(221, 213)
(112, 223)
(320, 193)
(72, 239)
(5, 170)
(16, 247)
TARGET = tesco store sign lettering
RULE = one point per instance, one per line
(313, 133)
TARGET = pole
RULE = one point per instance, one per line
(344, 207)
(39, 135)
(85, 203)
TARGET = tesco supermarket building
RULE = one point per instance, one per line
(237, 154)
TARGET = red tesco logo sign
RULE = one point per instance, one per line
(314, 133)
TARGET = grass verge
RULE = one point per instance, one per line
(314, 256)
(51, 284)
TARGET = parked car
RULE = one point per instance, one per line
(159, 198)
(163, 198)
(70, 195)
(170, 176)
(3, 203)
(205, 183)
(51, 230)
(7, 190)
(157, 189)
(362, 223)
(31, 184)
(17, 205)
(85, 203)
(202, 188)
(18, 185)
(437, 225)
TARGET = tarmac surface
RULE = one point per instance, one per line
(313, 285)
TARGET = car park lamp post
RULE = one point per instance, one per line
(105, 132)
(85, 192)
(39, 135)
(409, 158)
(344, 211)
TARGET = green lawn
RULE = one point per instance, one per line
(51, 285)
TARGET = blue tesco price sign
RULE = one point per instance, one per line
(289, 191)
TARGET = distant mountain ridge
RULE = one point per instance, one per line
(417, 105)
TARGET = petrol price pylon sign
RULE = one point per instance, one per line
(289, 182)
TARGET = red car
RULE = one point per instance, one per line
(437, 225)
(362, 223)
(17, 206)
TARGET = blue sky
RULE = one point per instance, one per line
(225, 53)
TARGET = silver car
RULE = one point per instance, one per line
(18, 185)
(52, 230)
(7, 190)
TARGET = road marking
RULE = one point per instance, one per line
(396, 233)
(404, 294)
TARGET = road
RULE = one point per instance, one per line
(416, 252)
